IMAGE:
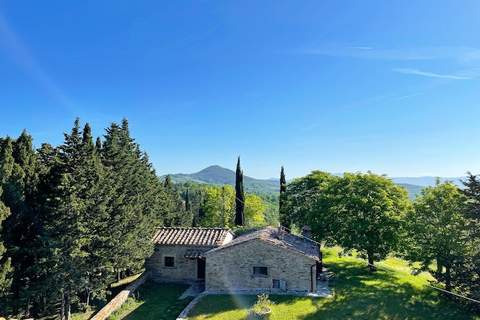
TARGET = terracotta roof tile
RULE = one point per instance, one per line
(211, 237)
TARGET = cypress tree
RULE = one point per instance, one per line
(239, 196)
(284, 220)
(187, 201)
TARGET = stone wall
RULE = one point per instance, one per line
(120, 298)
(185, 270)
(231, 268)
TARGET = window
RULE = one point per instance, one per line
(260, 271)
(279, 284)
(276, 284)
(169, 262)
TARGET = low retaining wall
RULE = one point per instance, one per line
(120, 298)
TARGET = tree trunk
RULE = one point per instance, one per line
(371, 265)
(88, 297)
(69, 308)
(448, 279)
(439, 269)
(27, 308)
(62, 307)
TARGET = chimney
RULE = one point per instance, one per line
(307, 231)
(280, 232)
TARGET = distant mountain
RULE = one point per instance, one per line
(220, 175)
(427, 180)
(413, 190)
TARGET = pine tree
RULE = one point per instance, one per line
(239, 196)
(284, 220)
(19, 181)
(98, 144)
(466, 271)
(472, 192)
(137, 207)
(5, 263)
(167, 183)
(74, 220)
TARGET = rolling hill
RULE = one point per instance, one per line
(218, 175)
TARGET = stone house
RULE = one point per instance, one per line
(179, 252)
(269, 259)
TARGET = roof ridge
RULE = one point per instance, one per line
(196, 228)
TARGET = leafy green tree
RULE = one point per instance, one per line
(309, 201)
(239, 196)
(367, 214)
(436, 230)
(254, 210)
(218, 206)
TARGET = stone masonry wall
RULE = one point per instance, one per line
(185, 270)
(232, 268)
(120, 298)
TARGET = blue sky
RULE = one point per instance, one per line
(333, 85)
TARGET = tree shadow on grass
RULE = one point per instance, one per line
(360, 294)
(157, 301)
(213, 305)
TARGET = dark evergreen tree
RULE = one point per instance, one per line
(74, 218)
(19, 181)
(98, 144)
(239, 196)
(187, 201)
(472, 192)
(466, 271)
(284, 219)
(5, 264)
(167, 183)
(137, 206)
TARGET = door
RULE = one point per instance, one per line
(201, 269)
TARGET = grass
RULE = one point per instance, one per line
(358, 294)
(153, 301)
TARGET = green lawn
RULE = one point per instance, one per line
(154, 302)
(359, 294)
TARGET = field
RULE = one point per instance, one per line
(358, 294)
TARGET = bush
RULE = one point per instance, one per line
(262, 308)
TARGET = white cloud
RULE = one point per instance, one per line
(458, 53)
(431, 74)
